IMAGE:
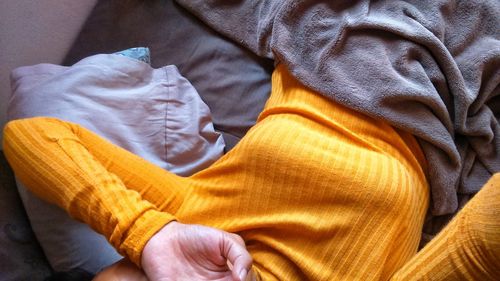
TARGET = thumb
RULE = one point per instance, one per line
(235, 252)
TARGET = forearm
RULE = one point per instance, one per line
(50, 159)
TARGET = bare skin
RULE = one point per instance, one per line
(187, 252)
(123, 270)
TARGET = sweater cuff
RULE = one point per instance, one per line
(143, 229)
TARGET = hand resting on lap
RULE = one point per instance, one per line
(194, 252)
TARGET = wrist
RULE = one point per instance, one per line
(138, 235)
(157, 241)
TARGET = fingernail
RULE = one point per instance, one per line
(243, 274)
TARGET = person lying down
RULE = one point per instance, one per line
(314, 191)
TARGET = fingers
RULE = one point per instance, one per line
(238, 239)
(234, 250)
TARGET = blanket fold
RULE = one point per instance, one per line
(431, 68)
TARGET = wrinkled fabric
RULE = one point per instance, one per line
(431, 68)
(155, 113)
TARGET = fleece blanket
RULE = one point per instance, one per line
(430, 67)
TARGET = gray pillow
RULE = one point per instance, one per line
(154, 113)
(232, 81)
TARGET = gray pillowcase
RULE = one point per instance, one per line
(232, 81)
(154, 113)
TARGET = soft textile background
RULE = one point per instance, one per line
(429, 67)
(232, 81)
(21, 257)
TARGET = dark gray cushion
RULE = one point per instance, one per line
(21, 258)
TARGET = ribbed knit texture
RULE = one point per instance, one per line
(317, 191)
(468, 248)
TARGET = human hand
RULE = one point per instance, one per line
(194, 252)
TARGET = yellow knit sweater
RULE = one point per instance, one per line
(317, 191)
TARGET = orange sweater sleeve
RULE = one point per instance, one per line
(49, 158)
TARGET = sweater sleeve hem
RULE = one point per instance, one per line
(139, 234)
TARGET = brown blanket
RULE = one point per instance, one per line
(429, 67)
